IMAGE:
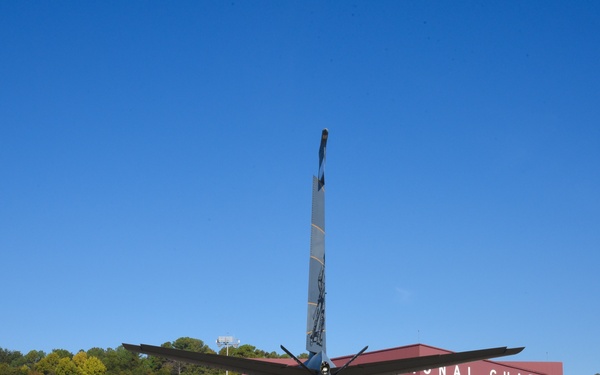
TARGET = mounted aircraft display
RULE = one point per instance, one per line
(318, 362)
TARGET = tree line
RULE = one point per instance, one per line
(118, 361)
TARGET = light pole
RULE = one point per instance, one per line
(227, 341)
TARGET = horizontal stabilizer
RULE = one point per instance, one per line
(299, 362)
(241, 365)
(406, 365)
(258, 367)
(337, 371)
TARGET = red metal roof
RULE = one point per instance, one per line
(485, 367)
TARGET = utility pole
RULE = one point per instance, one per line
(227, 341)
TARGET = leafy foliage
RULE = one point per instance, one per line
(118, 361)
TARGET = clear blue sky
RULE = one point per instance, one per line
(156, 162)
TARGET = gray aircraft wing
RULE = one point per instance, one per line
(241, 365)
(406, 365)
(257, 367)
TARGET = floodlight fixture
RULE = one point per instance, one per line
(227, 341)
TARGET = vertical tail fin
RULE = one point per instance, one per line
(315, 323)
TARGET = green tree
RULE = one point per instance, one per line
(6, 369)
(188, 343)
(120, 361)
(92, 366)
(250, 351)
(26, 363)
(47, 365)
(181, 368)
(62, 353)
(31, 358)
(9, 356)
(66, 366)
(97, 352)
(98, 361)
(85, 365)
(80, 358)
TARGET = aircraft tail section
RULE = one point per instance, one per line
(318, 362)
(315, 324)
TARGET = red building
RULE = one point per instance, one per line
(486, 367)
